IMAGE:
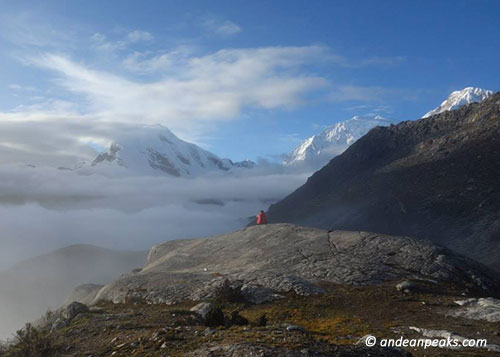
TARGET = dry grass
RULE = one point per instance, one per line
(339, 317)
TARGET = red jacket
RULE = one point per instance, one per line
(261, 218)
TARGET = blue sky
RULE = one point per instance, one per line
(241, 78)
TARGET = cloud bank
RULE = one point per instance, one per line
(44, 208)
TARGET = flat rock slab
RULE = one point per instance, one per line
(285, 257)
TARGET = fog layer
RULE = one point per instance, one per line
(43, 208)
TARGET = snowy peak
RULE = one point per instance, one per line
(317, 150)
(460, 98)
(110, 156)
(156, 150)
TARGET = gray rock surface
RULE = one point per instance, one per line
(405, 286)
(74, 309)
(202, 308)
(446, 335)
(285, 257)
(487, 309)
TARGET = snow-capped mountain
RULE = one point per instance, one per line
(317, 150)
(459, 98)
(156, 150)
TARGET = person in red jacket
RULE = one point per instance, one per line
(261, 218)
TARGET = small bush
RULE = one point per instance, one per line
(262, 320)
(237, 319)
(31, 342)
(3, 349)
(214, 317)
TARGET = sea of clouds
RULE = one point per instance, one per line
(43, 208)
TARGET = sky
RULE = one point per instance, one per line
(243, 79)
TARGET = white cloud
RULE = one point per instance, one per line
(213, 87)
(156, 62)
(25, 30)
(141, 63)
(138, 36)
(46, 139)
(370, 109)
(223, 28)
(102, 43)
(98, 37)
(23, 88)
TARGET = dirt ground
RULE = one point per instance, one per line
(332, 320)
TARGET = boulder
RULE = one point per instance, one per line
(405, 286)
(202, 308)
(74, 309)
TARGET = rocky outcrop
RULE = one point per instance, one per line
(74, 309)
(283, 257)
(487, 309)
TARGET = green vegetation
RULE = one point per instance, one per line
(30, 342)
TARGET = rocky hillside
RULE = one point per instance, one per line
(271, 259)
(434, 178)
(316, 151)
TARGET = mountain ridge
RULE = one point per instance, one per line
(414, 178)
(460, 98)
(318, 149)
(157, 150)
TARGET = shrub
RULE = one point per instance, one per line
(262, 320)
(3, 349)
(214, 317)
(31, 342)
(237, 319)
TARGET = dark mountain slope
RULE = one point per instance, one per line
(436, 178)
